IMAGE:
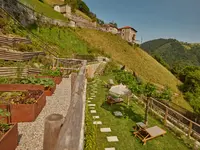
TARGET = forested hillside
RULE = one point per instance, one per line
(176, 54)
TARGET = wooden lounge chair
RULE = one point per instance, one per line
(149, 133)
(111, 100)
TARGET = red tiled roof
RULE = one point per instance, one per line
(127, 27)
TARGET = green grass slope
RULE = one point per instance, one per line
(135, 59)
(44, 9)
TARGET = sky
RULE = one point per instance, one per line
(179, 19)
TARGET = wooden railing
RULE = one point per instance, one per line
(69, 135)
(11, 41)
(13, 72)
(17, 56)
(171, 116)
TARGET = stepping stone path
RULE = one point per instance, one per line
(112, 139)
(89, 101)
(112, 148)
(105, 130)
(118, 114)
(91, 107)
(91, 104)
(97, 122)
(93, 111)
(95, 117)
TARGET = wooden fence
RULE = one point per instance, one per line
(12, 72)
(170, 115)
(11, 41)
(17, 56)
(71, 132)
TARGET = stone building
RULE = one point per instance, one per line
(128, 33)
(63, 9)
(110, 28)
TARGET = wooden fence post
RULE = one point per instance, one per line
(73, 80)
(51, 131)
(165, 118)
(190, 129)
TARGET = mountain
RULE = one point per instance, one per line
(174, 52)
(70, 41)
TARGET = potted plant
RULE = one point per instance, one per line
(23, 106)
(8, 134)
(56, 75)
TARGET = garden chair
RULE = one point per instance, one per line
(149, 133)
(111, 100)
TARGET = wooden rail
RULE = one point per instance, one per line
(17, 56)
(16, 71)
(11, 41)
(170, 115)
(71, 136)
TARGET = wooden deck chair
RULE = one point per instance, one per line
(149, 133)
(111, 100)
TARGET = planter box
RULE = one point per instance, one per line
(25, 87)
(20, 87)
(9, 140)
(23, 112)
(50, 91)
(57, 80)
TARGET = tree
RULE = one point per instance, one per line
(83, 7)
(113, 23)
(149, 91)
(99, 21)
(72, 3)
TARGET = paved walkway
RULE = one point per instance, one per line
(31, 133)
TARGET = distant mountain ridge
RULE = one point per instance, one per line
(174, 52)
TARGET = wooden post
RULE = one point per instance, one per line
(51, 131)
(146, 111)
(73, 80)
(165, 118)
(190, 129)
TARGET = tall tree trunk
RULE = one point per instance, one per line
(146, 111)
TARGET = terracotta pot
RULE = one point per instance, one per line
(9, 140)
(50, 91)
(25, 112)
(56, 80)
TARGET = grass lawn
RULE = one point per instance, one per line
(64, 40)
(134, 59)
(44, 8)
(122, 127)
(81, 14)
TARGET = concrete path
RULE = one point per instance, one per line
(32, 132)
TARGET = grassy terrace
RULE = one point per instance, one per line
(135, 59)
(122, 127)
(44, 9)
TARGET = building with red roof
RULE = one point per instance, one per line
(128, 33)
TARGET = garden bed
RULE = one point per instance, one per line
(49, 91)
(57, 80)
(24, 106)
(9, 139)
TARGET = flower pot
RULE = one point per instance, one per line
(24, 112)
(9, 140)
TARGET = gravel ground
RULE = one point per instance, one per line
(31, 133)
